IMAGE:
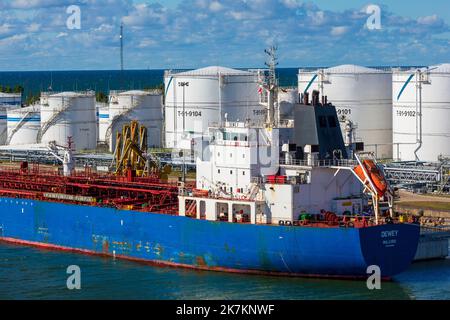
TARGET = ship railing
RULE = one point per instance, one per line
(232, 143)
(440, 227)
(295, 180)
(342, 220)
(247, 124)
(191, 192)
(319, 163)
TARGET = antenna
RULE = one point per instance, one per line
(121, 46)
(272, 63)
(50, 88)
(272, 86)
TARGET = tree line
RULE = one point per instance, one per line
(32, 98)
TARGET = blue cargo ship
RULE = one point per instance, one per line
(258, 205)
(185, 242)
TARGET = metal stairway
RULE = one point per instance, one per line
(17, 127)
(254, 190)
(191, 210)
(47, 125)
(3, 134)
(119, 117)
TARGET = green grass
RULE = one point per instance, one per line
(426, 205)
(176, 174)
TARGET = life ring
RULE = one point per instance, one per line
(281, 222)
(288, 223)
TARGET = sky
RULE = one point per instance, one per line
(173, 34)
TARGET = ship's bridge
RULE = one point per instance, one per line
(234, 154)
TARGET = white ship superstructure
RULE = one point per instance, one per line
(242, 179)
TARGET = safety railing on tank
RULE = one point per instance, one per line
(81, 93)
(147, 91)
(199, 73)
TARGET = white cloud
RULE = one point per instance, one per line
(339, 31)
(215, 6)
(146, 43)
(5, 28)
(428, 20)
(32, 4)
(234, 32)
(34, 27)
(13, 40)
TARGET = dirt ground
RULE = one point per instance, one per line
(406, 196)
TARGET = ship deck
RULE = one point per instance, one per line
(143, 194)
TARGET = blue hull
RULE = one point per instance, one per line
(185, 242)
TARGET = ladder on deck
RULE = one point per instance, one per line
(192, 209)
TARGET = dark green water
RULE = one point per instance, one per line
(29, 273)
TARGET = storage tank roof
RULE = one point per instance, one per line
(33, 108)
(10, 95)
(134, 93)
(440, 68)
(349, 69)
(214, 70)
(71, 94)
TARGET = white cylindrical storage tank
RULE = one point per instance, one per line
(287, 99)
(69, 114)
(361, 95)
(23, 125)
(142, 106)
(3, 125)
(196, 99)
(421, 129)
(103, 121)
(11, 100)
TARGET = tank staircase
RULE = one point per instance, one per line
(52, 121)
(3, 135)
(119, 117)
(17, 127)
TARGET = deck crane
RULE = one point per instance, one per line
(131, 152)
(68, 159)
